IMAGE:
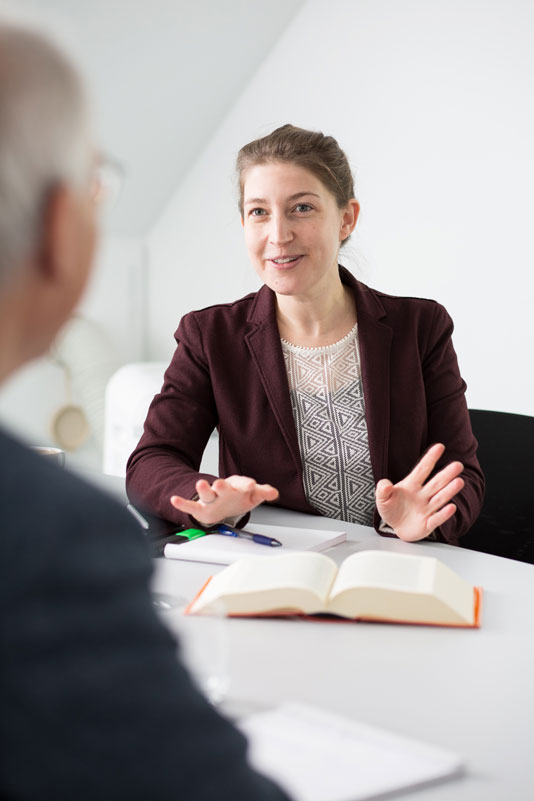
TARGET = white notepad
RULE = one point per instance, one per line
(318, 756)
(221, 550)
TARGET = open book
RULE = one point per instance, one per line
(369, 585)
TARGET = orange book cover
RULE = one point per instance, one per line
(477, 601)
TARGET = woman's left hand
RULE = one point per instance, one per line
(414, 509)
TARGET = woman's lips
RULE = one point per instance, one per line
(286, 265)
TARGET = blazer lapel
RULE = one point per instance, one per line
(263, 342)
(374, 338)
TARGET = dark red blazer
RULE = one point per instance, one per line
(228, 372)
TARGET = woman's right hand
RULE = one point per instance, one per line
(226, 497)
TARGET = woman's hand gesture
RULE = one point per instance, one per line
(414, 509)
(226, 497)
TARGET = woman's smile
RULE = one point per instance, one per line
(284, 263)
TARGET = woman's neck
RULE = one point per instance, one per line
(319, 320)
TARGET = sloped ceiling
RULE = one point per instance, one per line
(163, 74)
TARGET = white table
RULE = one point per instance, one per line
(469, 691)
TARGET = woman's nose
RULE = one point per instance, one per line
(280, 230)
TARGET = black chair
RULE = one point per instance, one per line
(506, 454)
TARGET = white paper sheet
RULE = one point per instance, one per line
(319, 756)
(221, 550)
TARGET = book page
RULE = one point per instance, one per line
(378, 585)
(452, 589)
(299, 581)
(384, 569)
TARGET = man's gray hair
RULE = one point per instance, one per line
(44, 135)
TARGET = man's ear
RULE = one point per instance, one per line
(57, 234)
(349, 218)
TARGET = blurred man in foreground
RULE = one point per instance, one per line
(94, 704)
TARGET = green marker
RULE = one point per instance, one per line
(192, 533)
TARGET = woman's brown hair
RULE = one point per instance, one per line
(319, 154)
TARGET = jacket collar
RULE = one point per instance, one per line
(367, 300)
(263, 342)
(374, 338)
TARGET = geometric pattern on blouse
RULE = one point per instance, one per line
(329, 411)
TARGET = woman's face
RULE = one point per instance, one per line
(293, 228)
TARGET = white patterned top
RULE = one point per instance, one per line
(329, 411)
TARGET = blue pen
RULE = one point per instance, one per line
(260, 539)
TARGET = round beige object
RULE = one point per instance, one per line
(70, 428)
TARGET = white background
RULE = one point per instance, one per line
(432, 101)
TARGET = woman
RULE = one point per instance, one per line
(320, 387)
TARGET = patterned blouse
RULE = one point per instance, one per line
(329, 411)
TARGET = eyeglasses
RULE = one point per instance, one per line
(108, 180)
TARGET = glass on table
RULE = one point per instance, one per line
(204, 649)
(55, 455)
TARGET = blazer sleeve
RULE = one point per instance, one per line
(448, 422)
(179, 423)
(95, 703)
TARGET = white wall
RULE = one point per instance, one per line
(432, 101)
(115, 306)
(161, 76)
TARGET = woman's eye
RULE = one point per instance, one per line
(303, 207)
(257, 212)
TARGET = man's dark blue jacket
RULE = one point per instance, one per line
(93, 702)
